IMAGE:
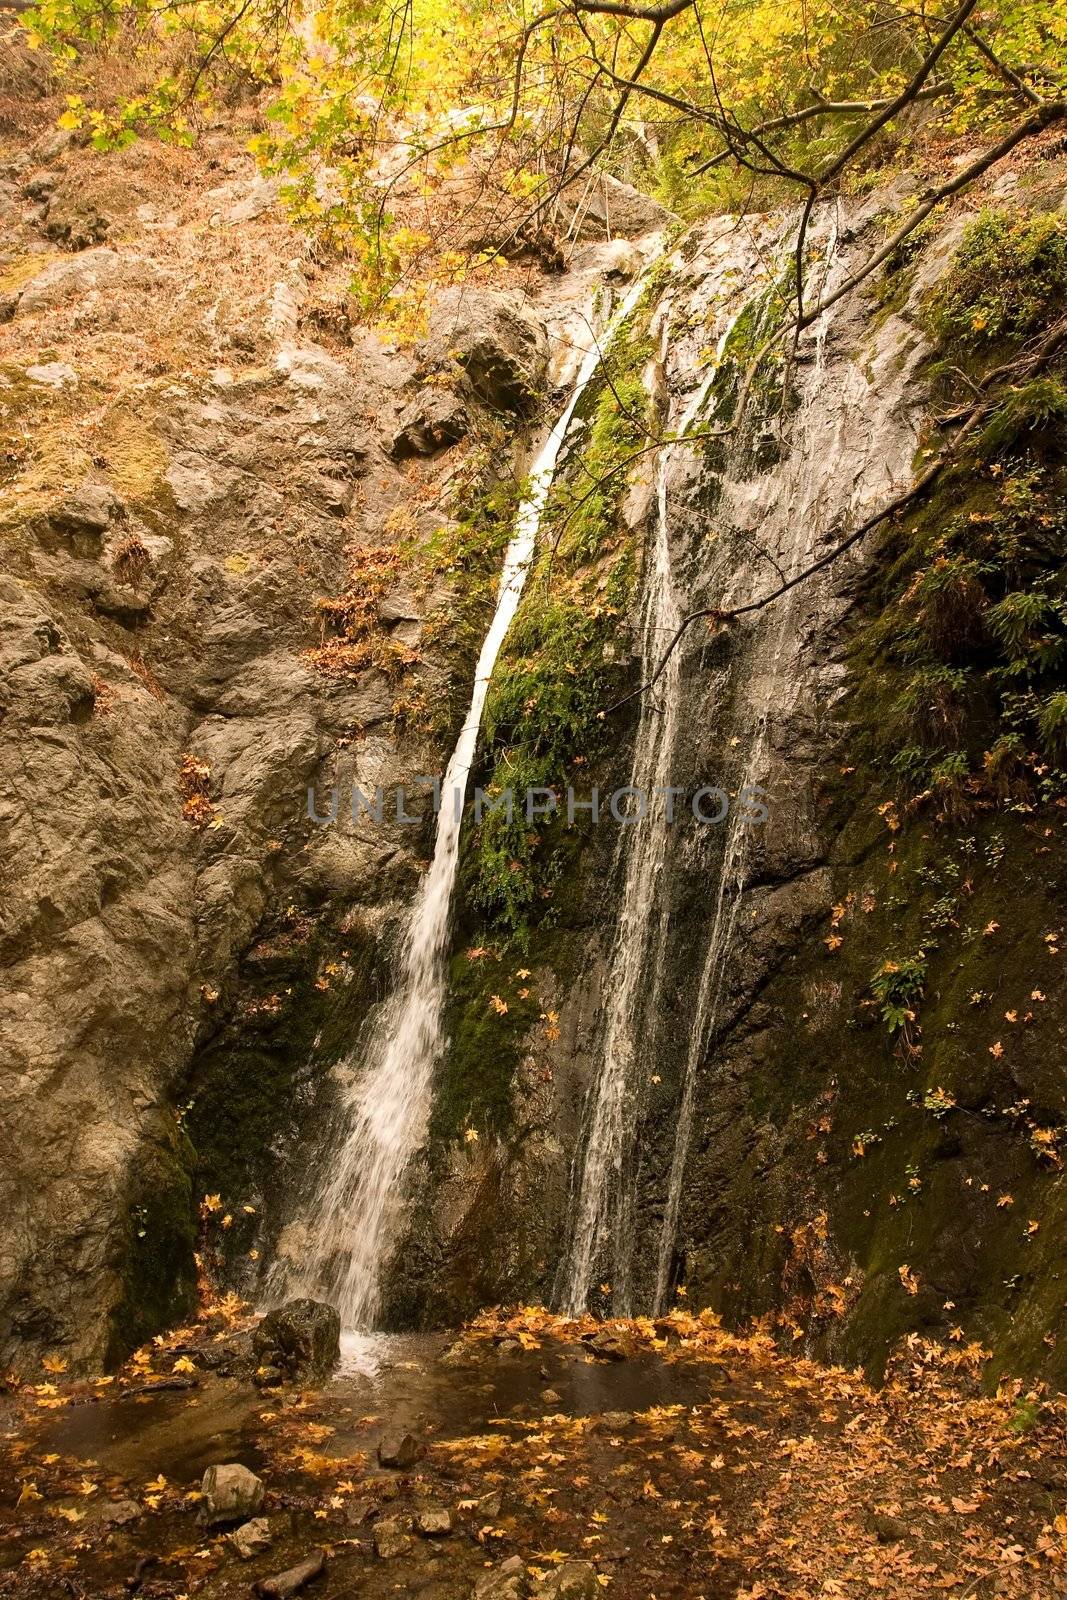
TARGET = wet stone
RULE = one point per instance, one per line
(506, 1582)
(433, 1522)
(119, 1512)
(251, 1538)
(399, 1450)
(391, 1537)
(230, 1494)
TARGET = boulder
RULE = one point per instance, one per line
(229, 1493)
(71, 278)
(609, 209)
(433, 421)
(251, 1538)
(493, 341)
(52, 374)
(399, 1450)
(301, 1340)
(508, 1581)
(611, 1346)
(621, 261)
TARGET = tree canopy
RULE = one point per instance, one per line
(379, 109)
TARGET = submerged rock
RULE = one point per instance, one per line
(230, 1494)
(300, 1342)
(508, 1581)
(391, 1537)
(574, 1580)
(120, 1512)
(433, 1522)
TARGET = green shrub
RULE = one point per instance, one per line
(1006, 272)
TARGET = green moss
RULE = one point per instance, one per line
(559, 666)
(484, 1045)
(967, 638)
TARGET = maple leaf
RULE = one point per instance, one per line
(908, 1279)
(498, 1005)
(523, 972)
(996, 1049)
(1004, 1201)
(54, 1364)
(990, 929)
(183, 1364)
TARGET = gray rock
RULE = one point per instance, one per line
(261, 196)
(493, 341)
(251, 1538)
(91, 508)
(52, 374)
(40, 186)
(70, 278)
(230, 1493)
(573, 1580)
(433, 421)
(508, 1581)
(301, 1339)
(610, 209)
(399, 1450)
(433, 1521)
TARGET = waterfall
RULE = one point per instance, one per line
(603, 1223)
(603, 1213)
(352, 1224)
(798, 551)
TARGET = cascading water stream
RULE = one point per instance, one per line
(603, 1222)
(352, 1223)
(603, 1210)
(739, 840)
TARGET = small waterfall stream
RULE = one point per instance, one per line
(352, 1222)
(602, 1231)
(603, 1221)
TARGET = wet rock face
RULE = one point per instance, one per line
(300, 1342)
